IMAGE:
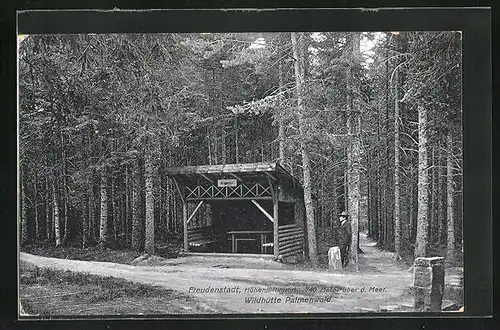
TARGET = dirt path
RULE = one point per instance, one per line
(384, 281)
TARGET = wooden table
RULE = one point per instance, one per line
(235, 240)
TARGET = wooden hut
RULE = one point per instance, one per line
(256, 209)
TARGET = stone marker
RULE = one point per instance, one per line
(428, 280)
(334, 259)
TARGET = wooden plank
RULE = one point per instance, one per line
(287, 226)
(179, 190)
(197, 199)
(291, 238)
(269, 175)
(250, 232)
(235, 176)
(287, 235)
(283, 235)
(194, 212)
(207, 178)
(263, 210)
(290, 244)
(184, 217)
(227, 168)
(291, 253)
(274, 190)
(233, 244)
(197, 237)
(291, 230)
(262, 240)
(273, 168)
(290, 247)
(288, 240)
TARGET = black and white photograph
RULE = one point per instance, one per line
(219, 173)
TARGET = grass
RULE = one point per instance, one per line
(47, 292)
(75, 251)
(95, 253)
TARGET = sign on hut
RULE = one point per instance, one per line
(254, 209)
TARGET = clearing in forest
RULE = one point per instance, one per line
(244, 285)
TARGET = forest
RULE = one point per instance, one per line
(369, 122)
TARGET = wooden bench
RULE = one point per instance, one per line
(266, 246)
(200, 236)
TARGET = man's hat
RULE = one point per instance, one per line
(343, 214)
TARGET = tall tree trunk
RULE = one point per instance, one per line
(175, 213)
(450, 217)
(434, 197)
(167, 204)
(209, 142)
(136, 208)
(48, 218)
(128, 217)
(354, 196)
(262, 158)
(24, 216)
(441, 209)
(35, 201)
(423, 189)
(87, 209)
(223, 147)
(236, 140)
(114, 209)
(412, 208)
(369, 189)
(281, 129)
(299, 81)
(57, 227)
(379, 188)
(385, 203)
(150, 220)
(354, 158)
(85, 224)
(334, 215)
(93, 211)
(397, 205)
(103, 227)
(215, 149)
(86, 218)
(67, 228)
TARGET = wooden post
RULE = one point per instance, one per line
(184, 217)
(275, 225)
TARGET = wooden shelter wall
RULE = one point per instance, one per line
(290, 240)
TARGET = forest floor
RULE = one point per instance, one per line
(381, 284)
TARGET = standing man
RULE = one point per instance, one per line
(345, 236)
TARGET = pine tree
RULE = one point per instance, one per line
(354, 156)
(103, 227)
(450, 246)
(150, 223)
(306, 166)
(423, 189)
